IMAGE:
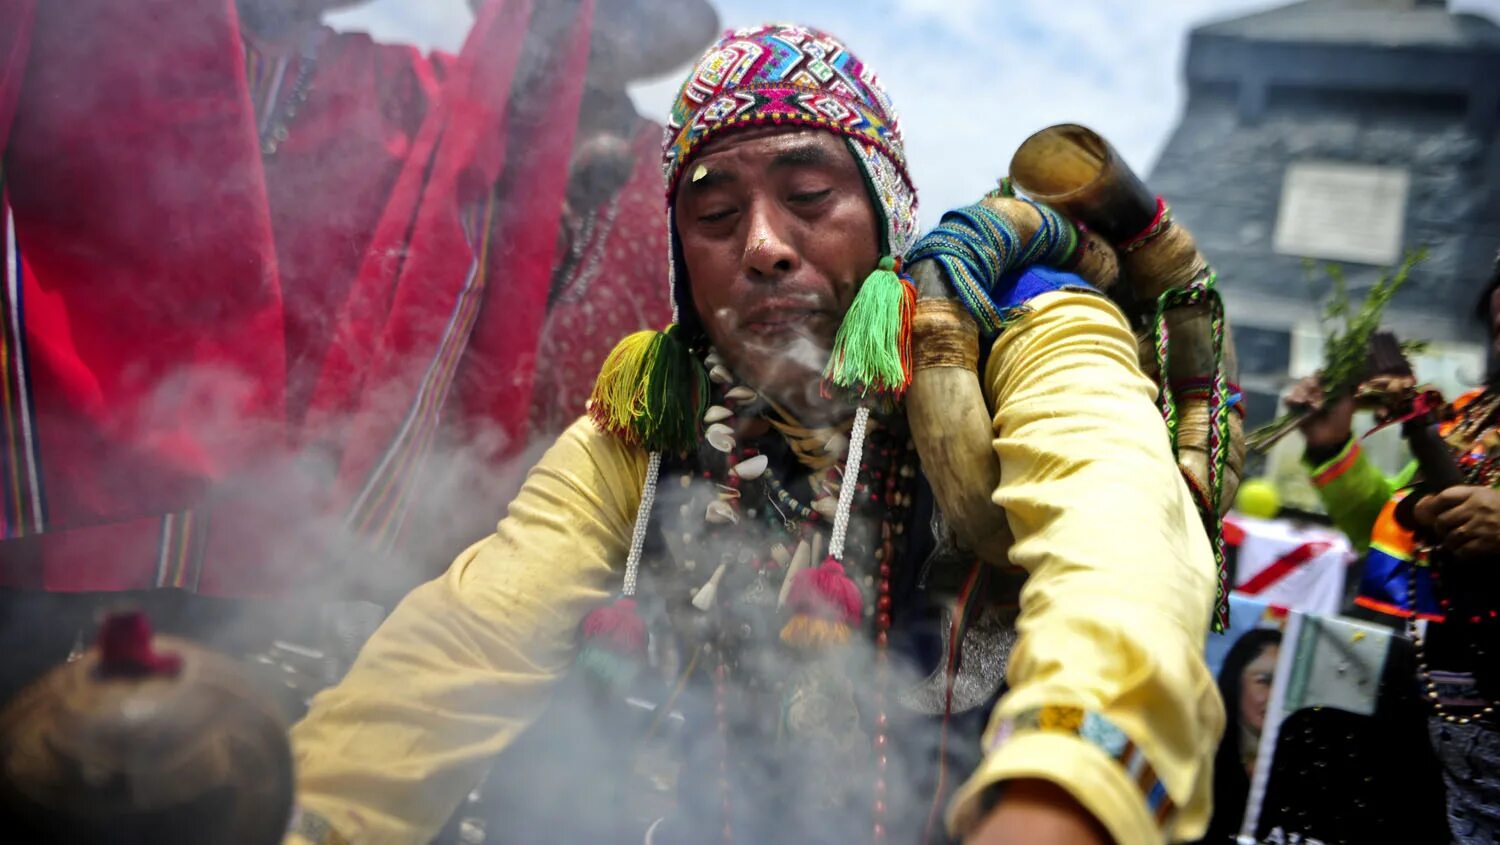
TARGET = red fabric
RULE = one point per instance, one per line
(329, 182)
(179, 290)
(135, 182)
(619, 286)
(125, 648)
(16, 17)
(377, 398)
(152, 301)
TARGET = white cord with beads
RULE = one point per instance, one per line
(847, 485)
(642, 520)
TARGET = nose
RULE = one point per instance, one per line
(770, 253)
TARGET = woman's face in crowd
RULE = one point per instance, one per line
(1255, 688)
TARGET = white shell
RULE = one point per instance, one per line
(751, 468)
(720, 512)
(836, 445)
(740, 394)
(720, 374)
(713, 359)
(828, 506)
(800, 560)
(717, 413)
(720, 436)
(704, 598)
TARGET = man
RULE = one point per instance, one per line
(793, 690)
(1456, 654)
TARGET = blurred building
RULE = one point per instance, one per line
(1346, 131)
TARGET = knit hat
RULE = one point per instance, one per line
(790, 75)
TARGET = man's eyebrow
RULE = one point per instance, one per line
(710, 179)
(804, 155)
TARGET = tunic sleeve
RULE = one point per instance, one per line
(1110, 697)
(466, 662)
(1354, 491)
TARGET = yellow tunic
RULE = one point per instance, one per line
(1113, 615)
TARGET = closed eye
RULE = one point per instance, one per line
(716, 216)
(811, 196)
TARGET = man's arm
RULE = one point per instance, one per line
(1110, 698)
(467, 661)
(1353, 490)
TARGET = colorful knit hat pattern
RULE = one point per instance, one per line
(794, 76)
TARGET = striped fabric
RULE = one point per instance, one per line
(1103, 734)
(380, 507)
(179, 560)
(1339, 465)
(24, 511)
(989, 265)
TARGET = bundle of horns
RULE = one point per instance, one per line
(1127, 246)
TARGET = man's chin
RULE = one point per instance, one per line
(787, 369)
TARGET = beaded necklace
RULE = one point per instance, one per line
(1424, 673)
(1480, 466)
(876, 478)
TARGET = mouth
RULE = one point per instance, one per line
(773, 320)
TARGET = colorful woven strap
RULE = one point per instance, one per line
(1102, 734)
(1201, 290)
(979, 248)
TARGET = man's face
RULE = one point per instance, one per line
(777, 230)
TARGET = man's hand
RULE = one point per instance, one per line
(1038, 812)
(1465, 519)
(1331, 426)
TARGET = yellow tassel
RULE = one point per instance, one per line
(619, 397)
(809, 632)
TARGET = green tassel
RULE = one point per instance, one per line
(1005, 188)
(676, 396)
(872, 351)
(652, 391)
(613, 670)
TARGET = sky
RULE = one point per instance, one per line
(971, 79)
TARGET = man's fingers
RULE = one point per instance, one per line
(1306, 393)
(1445, 501)
(1454, 517)
(1427, 508)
